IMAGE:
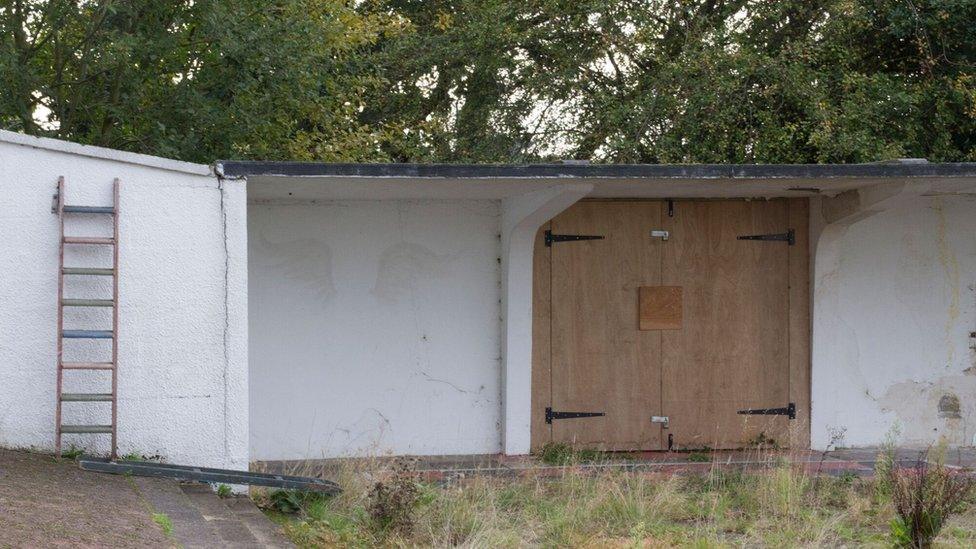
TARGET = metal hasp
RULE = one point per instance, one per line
(789, 236)
(550, 238)
(204, 474)
(789, 411)
(550, 415)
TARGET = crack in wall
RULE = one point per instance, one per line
(226, 332)
(950, 266)
(444, 381)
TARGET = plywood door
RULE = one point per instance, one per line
(600, 361)
(733, 350)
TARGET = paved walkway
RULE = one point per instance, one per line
(46, 503)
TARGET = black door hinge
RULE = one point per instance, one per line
(789, 411)
(550, 415)
(550, 238)
(789, 236)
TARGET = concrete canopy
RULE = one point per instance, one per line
(316, 181)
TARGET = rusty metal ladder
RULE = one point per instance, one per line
(113, 271)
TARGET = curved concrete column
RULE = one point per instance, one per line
(522, 216)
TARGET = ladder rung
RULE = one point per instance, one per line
(89, 209)
(87, 334)
(87, 365)
(87, 302)
(95, 271)
(86, 397)
(88, 240)
(86, 428)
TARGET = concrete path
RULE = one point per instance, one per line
(46, 503)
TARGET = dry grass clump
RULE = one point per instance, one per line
(924, 497)
(779, 506)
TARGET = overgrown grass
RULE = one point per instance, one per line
(164, 522)
(564, 454)
(72, 452)
(780, 506)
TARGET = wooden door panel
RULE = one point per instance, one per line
(732, 352)
(600, 361)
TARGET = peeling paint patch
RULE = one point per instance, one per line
(949, 406)
(932, 411)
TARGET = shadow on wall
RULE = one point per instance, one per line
(404, 266)
(305, 263)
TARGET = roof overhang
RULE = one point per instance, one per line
(326, 181)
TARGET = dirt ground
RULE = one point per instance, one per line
(46, 503)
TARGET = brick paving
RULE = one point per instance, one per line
(50, 503)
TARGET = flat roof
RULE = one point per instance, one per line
(903, 168)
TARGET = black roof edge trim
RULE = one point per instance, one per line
(244, 168)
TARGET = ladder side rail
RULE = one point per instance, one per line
(57, 396)
(115, 319)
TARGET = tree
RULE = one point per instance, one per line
(497, 80)
(684, 81)
(196, 80)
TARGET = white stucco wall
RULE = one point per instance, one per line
(182, 303)
(894, 316)
(374, 328)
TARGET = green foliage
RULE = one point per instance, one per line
(223, 491)
(554, 453)
(557, 453)
(695, 81)
(72, 452)
(699, 456)
(194, 80)
(164, 522)
(496, 80)
(136, 456)
(290, 502)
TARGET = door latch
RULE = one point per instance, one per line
(663, 235)
(665, 421)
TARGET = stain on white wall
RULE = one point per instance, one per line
(374, 328)
(182, 303)
(894, 323)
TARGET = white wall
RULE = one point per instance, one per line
(894, 312)
(182, 303)
(374, 328)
